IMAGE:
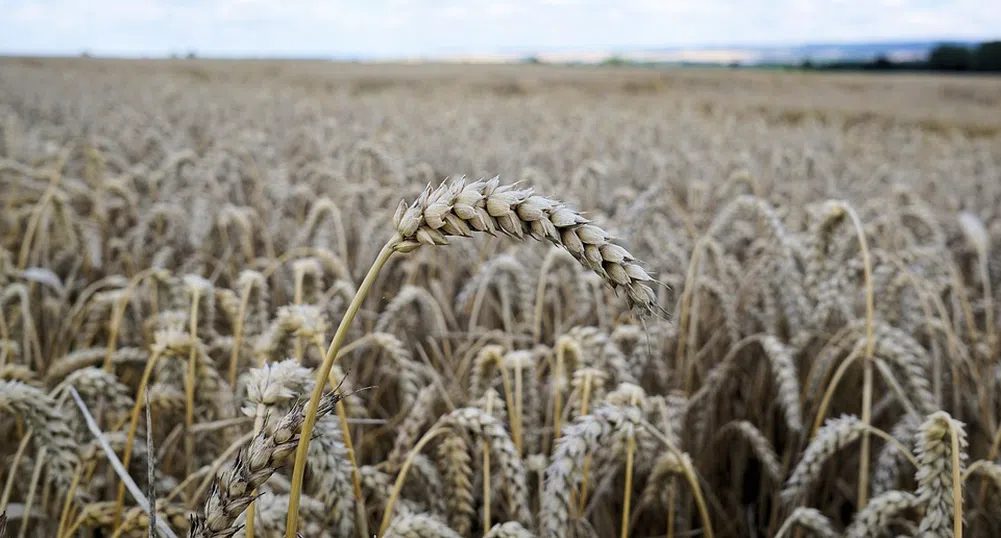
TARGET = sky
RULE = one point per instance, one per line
(440, 28)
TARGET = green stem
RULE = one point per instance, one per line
(299, 470)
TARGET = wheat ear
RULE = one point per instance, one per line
(231, 491)
(879, 513)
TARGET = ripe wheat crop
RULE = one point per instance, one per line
(273, 299)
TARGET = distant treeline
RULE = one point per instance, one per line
(985, 57)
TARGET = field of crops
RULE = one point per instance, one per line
(347, 300)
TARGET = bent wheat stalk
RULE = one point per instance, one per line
(459, 209)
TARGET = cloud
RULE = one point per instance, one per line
(410, 28)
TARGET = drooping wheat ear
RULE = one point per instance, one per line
(256, 286)
(231, 490)
(977, 235)
(587, 434)
(492, 404)
(97, 385)
(426, 484)
(990, 470)
(420, 414)
(786, 379)
(511, 529)
(74, 360)
(941, 453)
(378, 489)
(901, 350)
(876, 517)
(502, 451)
(779, 248)
(49, 426)
(668, 465)
(820, 283)
(307, 277)
(590, 345)
(780, 357)
(481, 376)
(890, 461)
(507, 276)
(810, 519)
(459, 209)
(835, 434)
(409, 373)
(429, 311)
(759, 444)
(419, 526)
(457, 471)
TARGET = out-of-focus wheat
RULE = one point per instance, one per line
(208, 234)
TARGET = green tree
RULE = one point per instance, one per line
(987, 56)
(950, 58)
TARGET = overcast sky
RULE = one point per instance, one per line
(414, 28)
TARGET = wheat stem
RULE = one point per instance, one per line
(299, 470)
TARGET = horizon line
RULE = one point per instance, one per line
(512, 52)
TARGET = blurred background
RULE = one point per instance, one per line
(845, 33)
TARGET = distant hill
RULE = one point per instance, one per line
(896, 51)
(838, 52)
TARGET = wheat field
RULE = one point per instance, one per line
(345, 300)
